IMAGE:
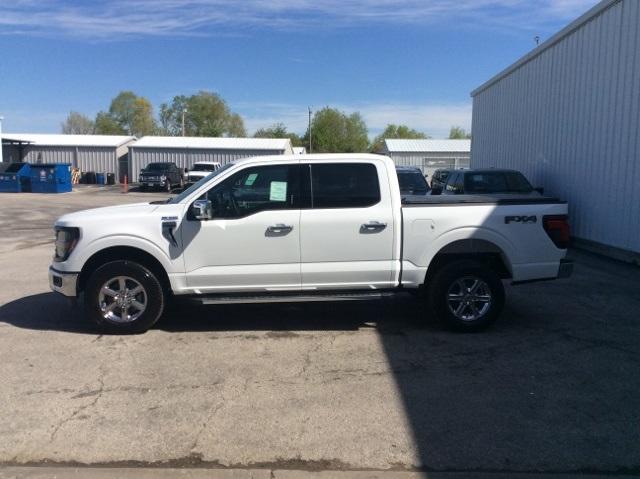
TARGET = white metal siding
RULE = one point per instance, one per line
(570, 120)
(86, 158)
(185, 158)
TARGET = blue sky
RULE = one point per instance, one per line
(395, 61)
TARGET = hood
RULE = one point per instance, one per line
(109, 212)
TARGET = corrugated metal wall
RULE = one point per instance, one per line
(428, 162)
(570, 120)
(185, 158)
(97, 159)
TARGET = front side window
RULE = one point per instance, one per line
(344, 185)
(255, 189)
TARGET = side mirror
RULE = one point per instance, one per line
(186, 170)
(539, 189)
(202, 210)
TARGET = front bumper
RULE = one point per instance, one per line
(152, 183)
(63, 283)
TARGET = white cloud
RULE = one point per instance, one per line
(435, 120)
(117, 18)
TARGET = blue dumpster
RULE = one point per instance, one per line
(51, 178)
(15, 178)
(100, 178)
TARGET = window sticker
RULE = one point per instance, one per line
(278, 191)
(251, 179)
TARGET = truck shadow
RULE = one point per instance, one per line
(51, 312)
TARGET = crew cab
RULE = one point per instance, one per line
(200, 169)
(164, 175)
(307, 228)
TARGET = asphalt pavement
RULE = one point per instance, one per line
(330, 388)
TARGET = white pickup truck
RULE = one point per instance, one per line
(312, 228)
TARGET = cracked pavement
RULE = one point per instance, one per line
(345, 386)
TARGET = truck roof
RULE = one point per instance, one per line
(314, 157)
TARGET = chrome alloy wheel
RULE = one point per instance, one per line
(469, 298)
(122, 299)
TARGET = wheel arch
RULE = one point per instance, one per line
(480, 250)
(124, 253)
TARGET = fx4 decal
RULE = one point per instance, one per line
(520, 219)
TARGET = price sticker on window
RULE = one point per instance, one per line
(278, 191)
(251, 179)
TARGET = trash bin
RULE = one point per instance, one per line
(111, 178)
(51, 178)
(89, 178)
(100, 178)
(15, 178)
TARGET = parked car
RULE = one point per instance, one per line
(316, 228)
(488, 181)
(438, 180)
(161, 175)
(200, 169)
(412, 181)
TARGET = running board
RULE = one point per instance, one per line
(292, 298)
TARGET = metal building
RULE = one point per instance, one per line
(568, 116)
(185, 151)
(97, 153)
(429, 155)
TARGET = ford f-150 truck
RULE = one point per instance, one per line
(312, 228)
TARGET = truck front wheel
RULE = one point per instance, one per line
(123, 297)
(467, 295)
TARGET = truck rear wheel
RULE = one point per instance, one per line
(123, 297)
(466, 295)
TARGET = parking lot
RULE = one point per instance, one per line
(553, 387)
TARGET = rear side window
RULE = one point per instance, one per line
(344, 185)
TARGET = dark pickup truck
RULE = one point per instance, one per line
(161, 175)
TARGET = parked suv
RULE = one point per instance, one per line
(438, 180)
(488, 181)
(412, 181)
(161, 175)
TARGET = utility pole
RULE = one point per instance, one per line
(183, 113)
(310, 144)
(1, 159)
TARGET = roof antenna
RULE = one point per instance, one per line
(537, 40)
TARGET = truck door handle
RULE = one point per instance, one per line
(279, 229)
(372, 227)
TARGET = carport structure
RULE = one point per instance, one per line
(97, 153)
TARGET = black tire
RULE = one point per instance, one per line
(457, 278)
(143, 188)
(152, 293)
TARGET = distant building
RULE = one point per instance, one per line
(429, 155)
(185, 151)
(568, 116)
(299, 150)
(97, 153)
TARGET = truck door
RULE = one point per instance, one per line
(347, 233)
(252, 243)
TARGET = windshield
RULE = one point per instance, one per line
(496, 182)
(412, 182)
(199, 183)
(157, 166)
(204, 167)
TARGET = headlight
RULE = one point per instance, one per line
(66, 240)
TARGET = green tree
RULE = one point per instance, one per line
(77, 124)
(334, 131)
(128, 114)
(205, 114)
(106, 125)
(458, 133)
(396, 132)
(278, 130)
